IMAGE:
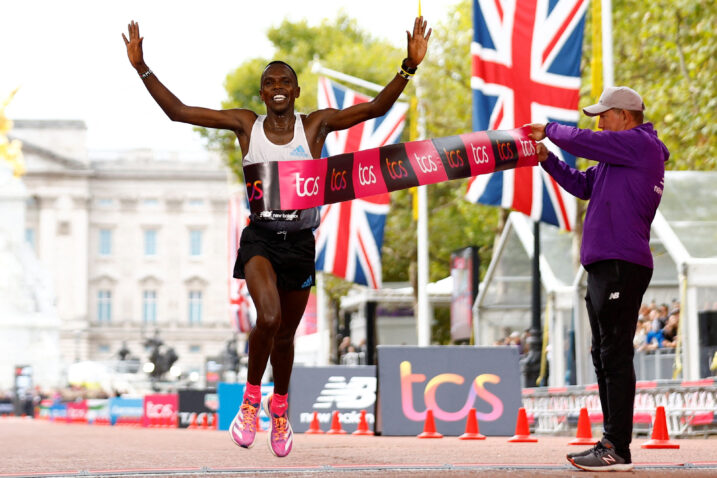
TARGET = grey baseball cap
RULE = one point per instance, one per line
(620, 97)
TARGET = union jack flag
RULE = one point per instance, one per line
(525, 69)
(242, 311)
(349, 239)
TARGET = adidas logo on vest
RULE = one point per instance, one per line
(299, 152)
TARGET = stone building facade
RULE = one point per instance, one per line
(135, 242)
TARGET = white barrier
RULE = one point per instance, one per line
(690, 407)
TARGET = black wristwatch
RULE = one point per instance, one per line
(404, 67)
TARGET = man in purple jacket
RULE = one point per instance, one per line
(624, 189)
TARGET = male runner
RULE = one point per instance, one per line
(276, 254)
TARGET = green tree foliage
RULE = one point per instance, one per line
(667, 51)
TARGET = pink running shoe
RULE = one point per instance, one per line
(243, 427)
(281, 437)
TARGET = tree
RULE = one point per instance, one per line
(667, 51)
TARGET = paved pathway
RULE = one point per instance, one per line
(30, 448)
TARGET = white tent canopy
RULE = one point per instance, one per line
(684, 247)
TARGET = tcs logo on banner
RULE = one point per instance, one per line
(395, 168)
(366, 175)
(159, 410)
(480, 154)
(408, 379)
(425, 163)
(338, 180)
(306, 186)
(254, 191)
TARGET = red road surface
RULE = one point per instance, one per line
(44, 449)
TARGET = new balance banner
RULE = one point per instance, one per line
(302, 184)
(323, 390)
(450, 380)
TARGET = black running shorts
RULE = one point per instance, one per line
(290, 253)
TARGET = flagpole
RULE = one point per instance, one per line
(318, 69)
(608, 68)
(423, 319)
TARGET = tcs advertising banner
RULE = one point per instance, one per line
(159, 407)
(77, 412)
(450, 380)
(325, 389)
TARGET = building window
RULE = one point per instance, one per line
(105, 248)
(103, 348)
(30, 237)
(104, 306)
(195, 307)
(150, 242)
(195, 349)
(150, 202)
(196, 202)
(105, 202)
(195, 242)
(149, 306)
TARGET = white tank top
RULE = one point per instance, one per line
(261, 150)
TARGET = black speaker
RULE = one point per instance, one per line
(707, 320)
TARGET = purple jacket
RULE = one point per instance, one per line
(624, 189)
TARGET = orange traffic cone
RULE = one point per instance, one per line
(472, 432)
(362, 426)
(584, 435)
(336, 425)
(215, 421)
(314, 427)
(193, 422)
(660, 437)
(522, 430)
(429, 427)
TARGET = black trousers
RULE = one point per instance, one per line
(614, 294)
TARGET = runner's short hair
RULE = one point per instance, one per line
(279, 62)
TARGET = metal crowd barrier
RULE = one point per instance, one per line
(654, 364)
(690, 407)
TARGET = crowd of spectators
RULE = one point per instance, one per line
(515, 339)
(351, 354)
(657, 327)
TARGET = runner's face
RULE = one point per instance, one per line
(279, 88)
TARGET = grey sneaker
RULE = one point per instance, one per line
(576, 454)
(602, 458)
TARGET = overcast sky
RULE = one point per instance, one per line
(70, 62)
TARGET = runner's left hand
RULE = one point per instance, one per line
(417, 42)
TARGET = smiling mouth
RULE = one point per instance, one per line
(279, 98)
